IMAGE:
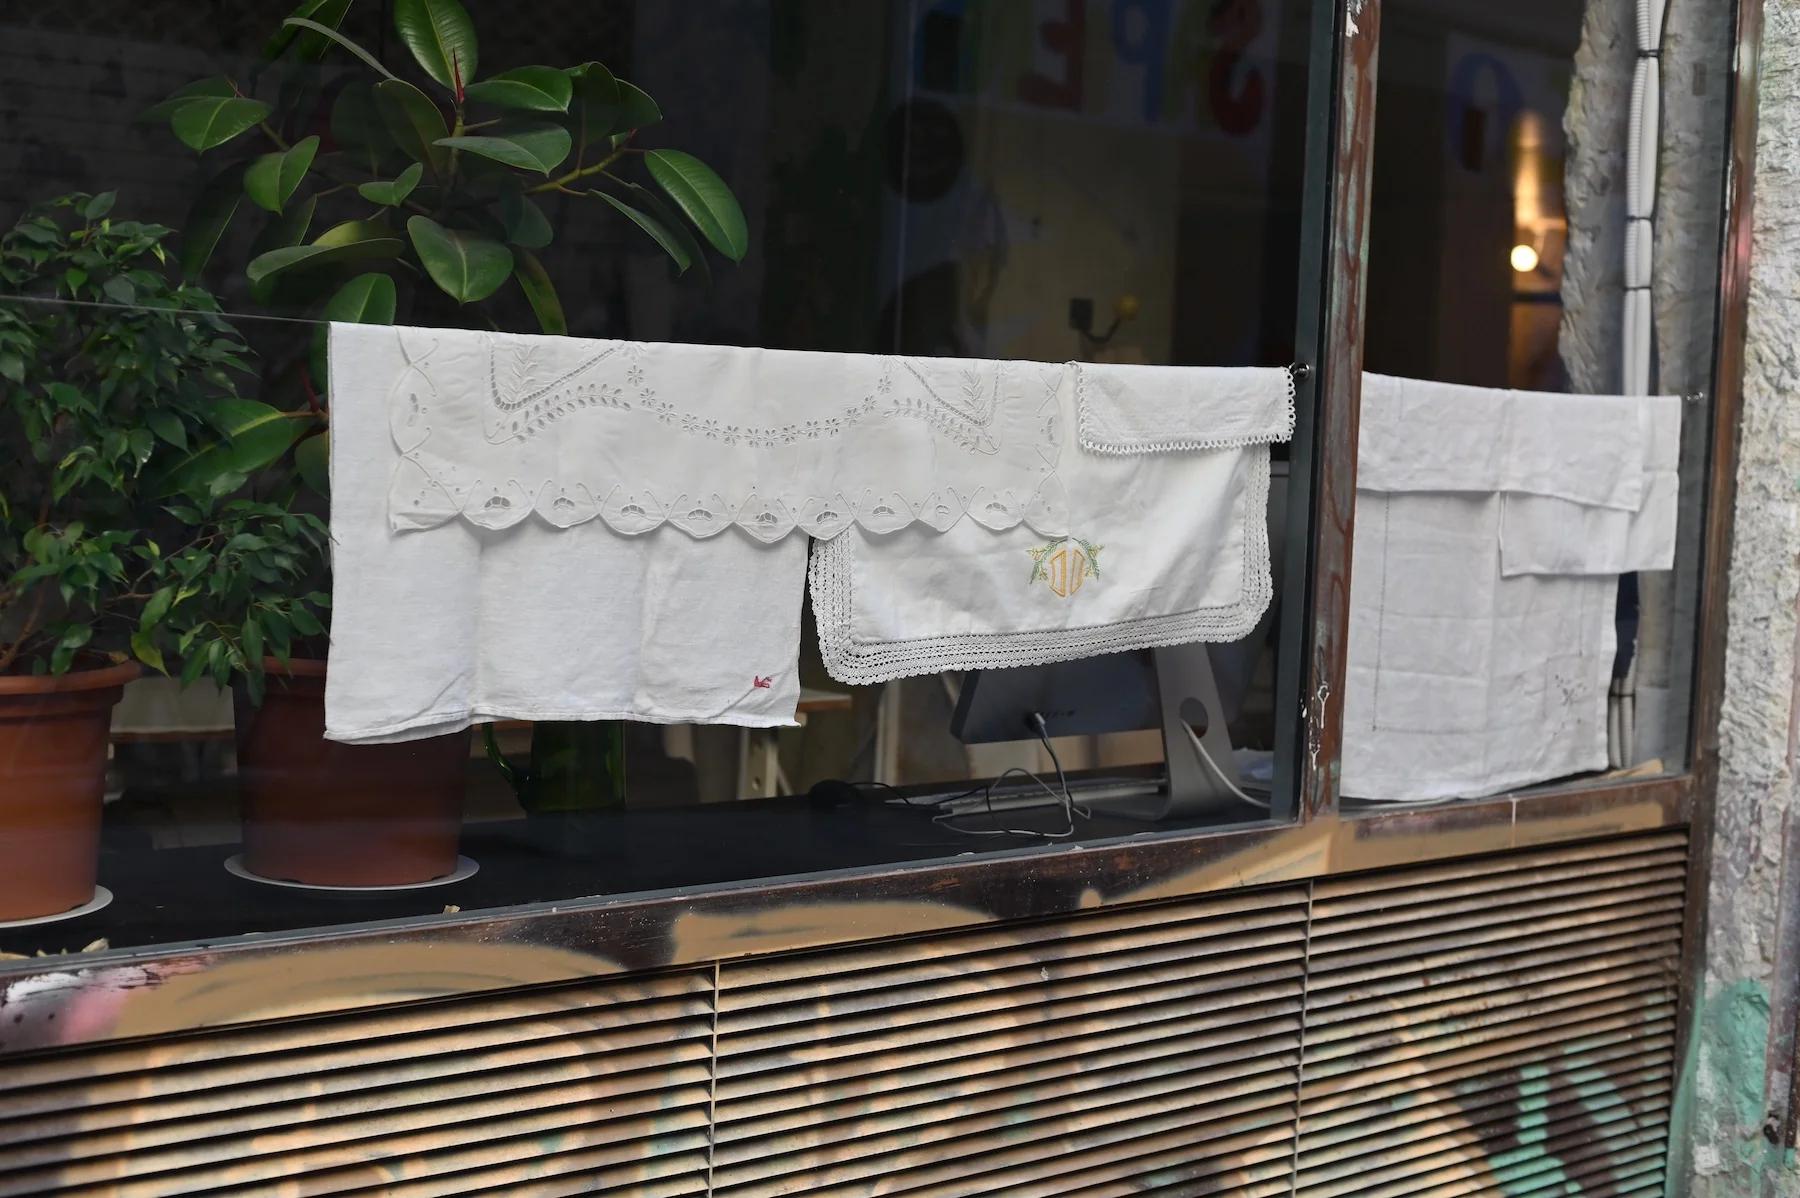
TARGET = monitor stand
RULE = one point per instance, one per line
(1189, 697)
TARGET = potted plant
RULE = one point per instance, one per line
(423, 194)
(113, 376)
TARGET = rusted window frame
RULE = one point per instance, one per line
(368, 965)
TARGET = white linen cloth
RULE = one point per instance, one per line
(1491, 528)
(496, 428)
(433, 629)
(1167, 540)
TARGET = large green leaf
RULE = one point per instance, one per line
(272, 179)
(310, 47)
(392, 194)
(366, 299)
(254, 435)
(216, 86)
(314, 256)
(703, 198)
(637, 109)
(332, 35)
(536, 146)
(466, 266)
(525, 223)
(207, 121)
(594, 104)
(289, 228)
(312, 459)
(535, 89)
(414, 122)
(660, 208)
(540, 292)
(441, 38)
(661, 233)
(207, 220)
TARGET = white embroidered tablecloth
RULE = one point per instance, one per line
(1167, 486)
(1491, 528)
(557, 528)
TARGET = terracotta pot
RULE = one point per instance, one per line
(327, 814)
(53, 734)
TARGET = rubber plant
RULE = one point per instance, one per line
(428, 178)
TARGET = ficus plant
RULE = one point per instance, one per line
(429, 178)
(122, 529)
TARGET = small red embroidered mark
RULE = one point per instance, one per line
(759, 682)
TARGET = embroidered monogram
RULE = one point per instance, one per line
(1065, 564)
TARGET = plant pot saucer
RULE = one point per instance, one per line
(102, 898)
(465, 869)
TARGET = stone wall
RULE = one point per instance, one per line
(1721, 1103)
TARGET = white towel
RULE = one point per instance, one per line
(1167, 543)
(436, 628)
(1491, 527)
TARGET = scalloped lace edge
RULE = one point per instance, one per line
(1090, 437)
(850, 660)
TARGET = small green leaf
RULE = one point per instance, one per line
(594, 102)
(526, 225)
(414, 122)
(330, 34)
(168, 426)
(272, 179)
(216, 86)
(703, 198)
(156, 607)
(209, 121)
(540, 292)
(465, 266)
(392, 194)
(661, 233)
(441, 38)
(145, 650)
(119, 290)
(207, 220)
(312, 460)
(535, 89)
(99, 205)
(529, 147)
(637, 109)
(289, 228)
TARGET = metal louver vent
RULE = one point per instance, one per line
(593, 1089)
(1139, 1051)
(1486, 1026)
(1497, 1026)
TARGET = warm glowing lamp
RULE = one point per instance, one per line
(1524, 259)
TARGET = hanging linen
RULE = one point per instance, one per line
(1166, 489)
(555, 528)
(1491, 527)
(435, 628)
(495, 429)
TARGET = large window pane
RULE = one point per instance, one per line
(1113, 183)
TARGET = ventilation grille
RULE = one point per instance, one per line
(595, 1089)
(1492, 1026)
(1145, 1050)
(1501, 1026)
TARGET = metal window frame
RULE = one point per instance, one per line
(93, 998)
